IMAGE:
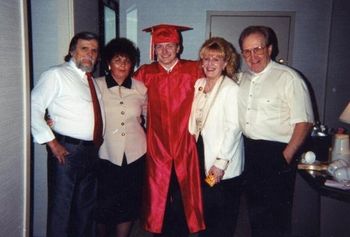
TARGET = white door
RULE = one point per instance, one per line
(229, 25)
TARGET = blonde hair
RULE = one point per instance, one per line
(224, 49)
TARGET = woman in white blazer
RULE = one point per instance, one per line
(122, 154)
(214, 123)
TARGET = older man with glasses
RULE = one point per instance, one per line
(276, 117)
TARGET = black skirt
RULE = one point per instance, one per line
(119, 191)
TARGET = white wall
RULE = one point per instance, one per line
(312, 29)
(52, 29)
(51, 34)
(14, 120)
(54, 23)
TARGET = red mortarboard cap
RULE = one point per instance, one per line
(165, 33)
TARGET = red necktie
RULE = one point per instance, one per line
(97, 112)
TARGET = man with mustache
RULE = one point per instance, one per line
(68, 94)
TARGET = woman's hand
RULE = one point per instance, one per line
(217, 173)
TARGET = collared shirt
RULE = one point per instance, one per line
(272, 102)
(124, 104)
(111, 82)
(170, 68)
(64, 91)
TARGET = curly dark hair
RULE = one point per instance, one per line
(121, 47)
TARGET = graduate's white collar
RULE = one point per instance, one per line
(169, 69)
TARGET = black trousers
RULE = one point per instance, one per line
(174, 224)
(221, 202)
(72, 191)
(269, 188)
(221, 208)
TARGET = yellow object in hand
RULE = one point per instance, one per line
(210, 180)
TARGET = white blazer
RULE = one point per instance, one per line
(221, 132)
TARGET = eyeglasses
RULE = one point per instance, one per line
(257, 50)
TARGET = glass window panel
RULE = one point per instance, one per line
(110, 24)
(131, 25)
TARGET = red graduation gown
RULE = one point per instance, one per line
(169, 143)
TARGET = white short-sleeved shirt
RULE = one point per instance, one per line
(272, 102)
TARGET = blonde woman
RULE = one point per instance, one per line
(214, 123)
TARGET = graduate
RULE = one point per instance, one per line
(172, 204)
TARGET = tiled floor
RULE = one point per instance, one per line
(242, 229)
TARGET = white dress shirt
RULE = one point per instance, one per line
(64, 91)
(221, 133)
(124, 106)
(272, 102)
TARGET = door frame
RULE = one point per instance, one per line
(252, 14)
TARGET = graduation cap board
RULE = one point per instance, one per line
(164, 33)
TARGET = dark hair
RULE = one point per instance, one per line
(268, 34)
(262, 30)
(226, 50)
(73, 43)
(121, 47)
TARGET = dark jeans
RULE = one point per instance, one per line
(269, 188)
(72, 192)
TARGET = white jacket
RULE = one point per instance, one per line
(221, 132)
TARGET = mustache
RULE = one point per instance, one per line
(92, 60)
(83, 65)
